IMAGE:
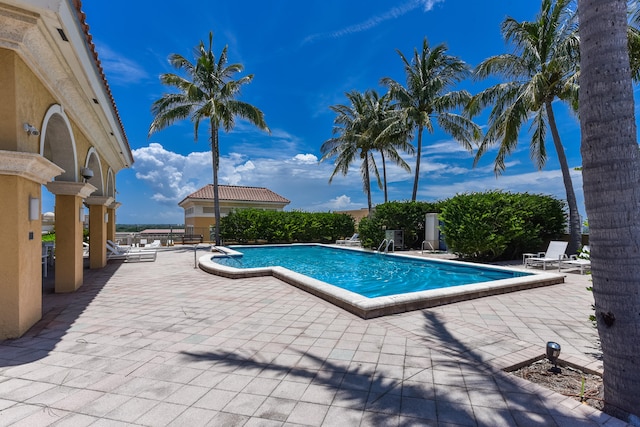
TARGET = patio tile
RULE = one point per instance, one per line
(147, 345)
(161, 414)
(275, 408)
(306, 413)
(193, 417)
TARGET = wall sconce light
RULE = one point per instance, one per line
(553, 352)
(30, 129)
(106, 217)
(86, 174)
(34, 209)
(81, 214)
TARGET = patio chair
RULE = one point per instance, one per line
(154, 244)
(115, 249)
(553, 255)
(352, 240)
(128, 254)
(581, 261)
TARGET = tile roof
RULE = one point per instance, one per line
(238, 193)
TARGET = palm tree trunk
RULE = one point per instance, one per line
(575, 226)
(384, 176)
(367, 184)
(215, 156)
(611, 179)
(414, 194)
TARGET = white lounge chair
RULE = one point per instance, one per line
(154, 244)
(553, 255)
(581, 261)
(115, 249)
(128, 254)
(353, 240)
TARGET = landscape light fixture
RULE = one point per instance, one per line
(553, 352)
(30, 129)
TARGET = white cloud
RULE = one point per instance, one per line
(340, 203)
(305, 159)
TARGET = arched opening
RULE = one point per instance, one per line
(57, 143)
(93, 162)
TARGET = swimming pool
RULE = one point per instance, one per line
(381, 293)
(368, 274)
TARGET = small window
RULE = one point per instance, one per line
(208, 209)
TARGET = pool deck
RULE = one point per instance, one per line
(165, 343)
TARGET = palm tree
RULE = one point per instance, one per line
(391, 132)
(352, 140)
(208, 92)
(430, 74)
(611, 179)
(543, 68)
(633, 38)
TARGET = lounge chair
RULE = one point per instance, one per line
(581, 261)
(353, 240)
(154, 244)
(553, 255)
(115, 249)
(128, 254)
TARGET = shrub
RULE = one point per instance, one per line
(500, 225)
(406, 216)
(253, 225)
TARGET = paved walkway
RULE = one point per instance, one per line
(164, 343)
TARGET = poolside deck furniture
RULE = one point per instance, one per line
(581, 261)
(353, 240)
(116, 252)
(554, 254)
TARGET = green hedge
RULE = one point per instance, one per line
(255, 225)
(500, 225)
(406, 216)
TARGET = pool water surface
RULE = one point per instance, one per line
(370, 284)
(365, 273)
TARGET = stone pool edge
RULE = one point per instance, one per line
(368, 308)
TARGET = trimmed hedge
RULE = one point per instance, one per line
(407, 216)
(255, 225)
(500, 225)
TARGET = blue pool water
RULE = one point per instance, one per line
(368, 274)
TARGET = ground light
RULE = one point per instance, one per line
(553, 352)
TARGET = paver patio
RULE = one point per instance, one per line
(165, 343)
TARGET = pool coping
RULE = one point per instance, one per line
(368, 308)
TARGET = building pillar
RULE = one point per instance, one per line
(98, 219)
(111, 225)
(21, 179)
(69, 227)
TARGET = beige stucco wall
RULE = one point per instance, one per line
(20, 265)
(24, 100)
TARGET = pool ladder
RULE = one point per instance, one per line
(386, 243)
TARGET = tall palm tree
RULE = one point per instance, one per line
(430, 75)
(611, 179)
(391, 132)
(207, 93)
(542, 68)
(352, 140)
(633, 38)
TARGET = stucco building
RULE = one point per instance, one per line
(199, 209)
(59, 128)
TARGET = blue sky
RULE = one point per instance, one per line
(304, 56)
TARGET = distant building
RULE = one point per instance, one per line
(357, 214)
(199, 209)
